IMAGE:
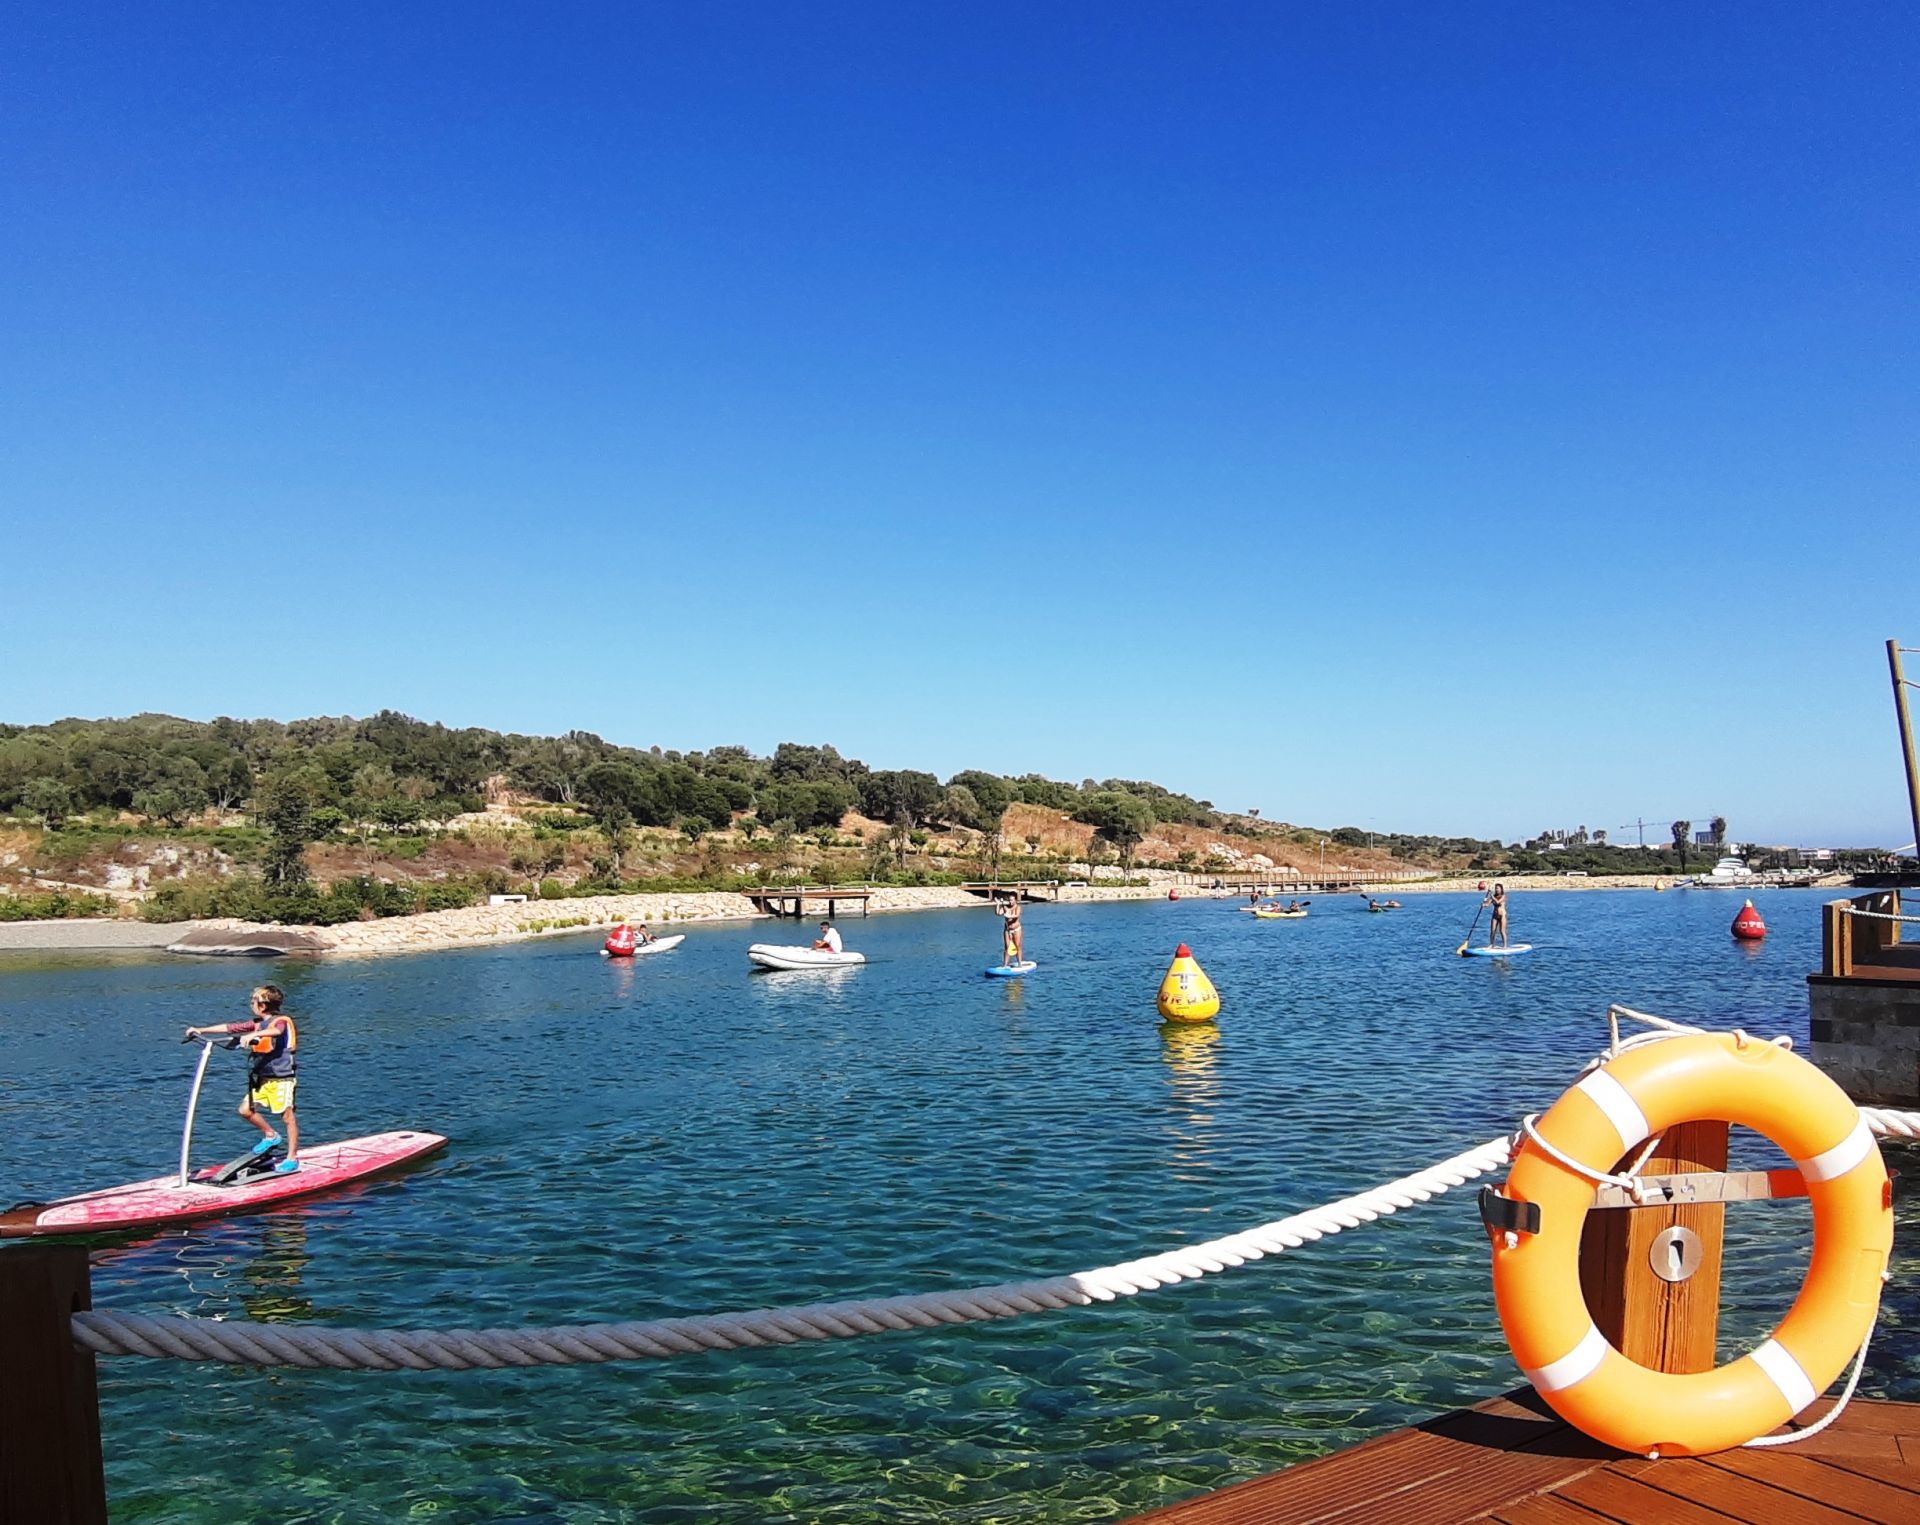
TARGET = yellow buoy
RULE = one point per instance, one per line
(1186, 994)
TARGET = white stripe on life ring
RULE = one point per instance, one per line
(1785, 1373)
(1842, 1157)
(1622, 1110)
(1575, 1366)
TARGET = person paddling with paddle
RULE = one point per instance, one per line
(271, 1072)
(1496, 901)
(1013, 935)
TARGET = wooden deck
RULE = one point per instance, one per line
(793, 900)
(1513, 1461)
(1025, 889)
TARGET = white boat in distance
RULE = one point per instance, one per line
(1733, 874)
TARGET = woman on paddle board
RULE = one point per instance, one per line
(271, 1073)
(1497, 922)
(1013, 935)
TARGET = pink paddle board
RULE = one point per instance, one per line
(152, 1204)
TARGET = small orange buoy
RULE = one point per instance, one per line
(1748, 926)
(1186, 994)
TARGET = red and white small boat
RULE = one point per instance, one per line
(244, 1185)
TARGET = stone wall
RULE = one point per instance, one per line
(1866, 1035)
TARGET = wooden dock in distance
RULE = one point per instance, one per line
(1515, 1462)
(1024, 889)
(792, 900)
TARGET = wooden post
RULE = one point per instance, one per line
(1663, 1324)
(51, 1471)
(1836, 940)
(1906, 737)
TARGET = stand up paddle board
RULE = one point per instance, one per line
(163, 1200)
(1499, 952)
(1012, 971)
(640, 950)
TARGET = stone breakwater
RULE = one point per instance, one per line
(476, 926)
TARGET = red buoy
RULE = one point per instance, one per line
(621, 942)
(1748, 926)
(1173, 894)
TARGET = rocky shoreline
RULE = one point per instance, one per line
(481, 926)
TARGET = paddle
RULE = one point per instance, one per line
(1461, 951)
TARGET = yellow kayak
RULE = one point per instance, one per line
(1280, 915)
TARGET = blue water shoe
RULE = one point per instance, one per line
(286, 1167)
(270, 1142)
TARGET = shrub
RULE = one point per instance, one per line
(57, 905)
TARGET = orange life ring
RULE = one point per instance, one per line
(1612, 1110)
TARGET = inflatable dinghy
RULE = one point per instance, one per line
(640, 950)
(769, 956)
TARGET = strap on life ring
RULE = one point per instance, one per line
(1536, 1225)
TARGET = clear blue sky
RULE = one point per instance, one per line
(1461, 418)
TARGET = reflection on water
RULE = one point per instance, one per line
(1193, 1085)
(677, 1136)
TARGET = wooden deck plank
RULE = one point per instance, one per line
(1511, 1461)
(1493, 1453)
(1544, 1509)
(1630, 1502)
(1813, 1479)
(1734, 1496)
(1894, 1473)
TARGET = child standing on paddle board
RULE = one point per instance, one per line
(1013, 935)
(1497, 923)
(271, 1072)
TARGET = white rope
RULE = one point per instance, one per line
(1628, 1182)
(188, 1339)
(1880, 915)
(1839, 1408)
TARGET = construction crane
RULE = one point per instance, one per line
(1641, 826)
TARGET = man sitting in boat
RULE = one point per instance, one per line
(829, 939)
(640, 931)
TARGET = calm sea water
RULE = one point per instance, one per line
(681, 1136)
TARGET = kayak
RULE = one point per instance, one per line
(768, 956)
(162, 1201)
(1012, 971)
(658, 945)
(1499, 952)
(1280, 915)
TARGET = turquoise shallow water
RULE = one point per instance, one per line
(682, 1136)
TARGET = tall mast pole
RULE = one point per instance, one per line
(1906, 737)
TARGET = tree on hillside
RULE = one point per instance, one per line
(1682, 831)
(991, 798)
(176, 789)
(49, 800)
(285, 808)
(889, 795)
(1718, 826)
(608, 793)
(1119, 818)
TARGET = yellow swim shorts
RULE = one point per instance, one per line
(274, 1095)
